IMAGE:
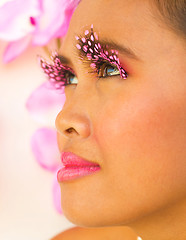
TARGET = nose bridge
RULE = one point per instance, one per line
(74, 119)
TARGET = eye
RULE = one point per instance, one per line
(106, 70)
(61, 75)
(70, 78)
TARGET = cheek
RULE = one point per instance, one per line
(142, 141)
(131, 126)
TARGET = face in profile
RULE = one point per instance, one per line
(126, 114)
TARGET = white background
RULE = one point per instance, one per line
(26, 205)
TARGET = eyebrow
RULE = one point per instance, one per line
(105, 42)
(121, 48)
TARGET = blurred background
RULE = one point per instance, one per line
(26, 205)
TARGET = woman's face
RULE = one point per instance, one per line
(134, 128)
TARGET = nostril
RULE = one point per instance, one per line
(70, 126)
(70, 130)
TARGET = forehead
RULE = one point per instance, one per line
(110, 12)
(112, 15)
(130, 22)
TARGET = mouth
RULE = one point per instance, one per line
(75, 167)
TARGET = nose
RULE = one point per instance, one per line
(73, 122)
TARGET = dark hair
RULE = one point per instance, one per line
(173, 13)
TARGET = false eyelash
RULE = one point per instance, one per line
(56, 71)
(96, 66)
(90, 51)
(90, 48)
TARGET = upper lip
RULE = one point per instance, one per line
(70, 159)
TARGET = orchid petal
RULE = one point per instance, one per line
(15, 18)
(57, 195)
(45, 103)
(60, 32)
(14, 49)
(54, 19)
(68, 14)
(3, 2)
(44, 148)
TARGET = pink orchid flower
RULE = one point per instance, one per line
(33, 22)
(45, 101)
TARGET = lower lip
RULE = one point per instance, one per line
(71, 173)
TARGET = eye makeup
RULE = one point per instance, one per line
(90, 48)
(92, 54)
(56, 72)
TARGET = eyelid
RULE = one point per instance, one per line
(86, 64)
(59, 69)
(105, 64)
(80, 54)
(64, 65)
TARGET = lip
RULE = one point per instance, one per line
(75, 167)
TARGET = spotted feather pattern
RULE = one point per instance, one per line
(55, 72)
(90, 48)
(93, 51)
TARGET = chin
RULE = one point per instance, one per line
(86, 207)
(93, 217)
(81, 216)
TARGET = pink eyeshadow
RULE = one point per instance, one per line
(96, 53)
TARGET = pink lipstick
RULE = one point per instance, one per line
(75, 167)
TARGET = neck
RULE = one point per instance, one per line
(167, 224)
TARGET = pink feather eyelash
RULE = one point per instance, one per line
(93, 51)
(90, 49)
(55, 72)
